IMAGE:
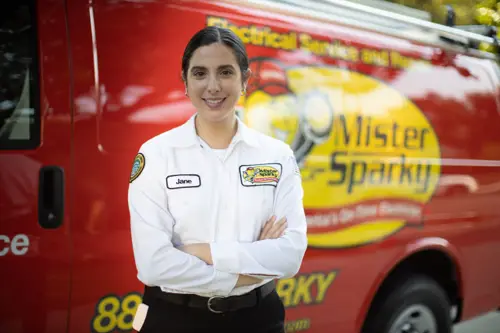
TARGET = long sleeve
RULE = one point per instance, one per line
(275, 258)
(158, 262)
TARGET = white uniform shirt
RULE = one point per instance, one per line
(182, 192)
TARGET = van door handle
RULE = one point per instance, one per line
(51, 197)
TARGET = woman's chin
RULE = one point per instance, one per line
(216, 115)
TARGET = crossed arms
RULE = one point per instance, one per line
(214, 267)
(272, 230)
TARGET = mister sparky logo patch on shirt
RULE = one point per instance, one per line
(260, 174)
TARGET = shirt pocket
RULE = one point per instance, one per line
(258, 204)
(185, 204)
(189, 211)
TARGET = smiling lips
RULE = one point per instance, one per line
(214, 103)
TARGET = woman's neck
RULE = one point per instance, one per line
(217, 135)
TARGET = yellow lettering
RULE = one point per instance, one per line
(299, 290)
(305, 40)
(114, 313)
(272, 40)
(374, 57)
(128, 309)
(398, 60)
(256, 36)
(303, 292)
(324, 282)
(307, 43)
(298, 325)
(285, 289)
(336, 49)
(366, 56)
(353, 54)
(253, 35)
(105, 319)
(216, 21)
(245, 35)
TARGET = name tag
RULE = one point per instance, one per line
(183, 181)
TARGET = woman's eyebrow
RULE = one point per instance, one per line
(226, 67)
(196, 68)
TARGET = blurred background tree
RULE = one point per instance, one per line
(468, 12)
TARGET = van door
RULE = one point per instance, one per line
(35, 146)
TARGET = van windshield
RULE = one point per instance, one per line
(19, 112)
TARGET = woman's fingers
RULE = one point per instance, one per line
(273, 229)
(278, 228)
(267, 227)
(283, 228)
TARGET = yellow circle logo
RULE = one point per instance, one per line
(369, 157)
(137, 167)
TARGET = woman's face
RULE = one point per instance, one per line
(214, 81)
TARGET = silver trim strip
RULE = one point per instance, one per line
(376, 20)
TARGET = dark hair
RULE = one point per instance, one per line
(210, 35)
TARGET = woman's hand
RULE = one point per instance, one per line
(200, 250)
(246, 280)
(273, 229)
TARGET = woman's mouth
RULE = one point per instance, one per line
(214, 103)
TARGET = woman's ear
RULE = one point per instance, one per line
(246, 77)
(248, 74)
(183, 76)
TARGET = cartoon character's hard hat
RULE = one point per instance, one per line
(268, 76)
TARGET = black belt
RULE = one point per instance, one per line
(216, 304)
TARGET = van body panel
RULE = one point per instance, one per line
(397, 141)
(35, 135)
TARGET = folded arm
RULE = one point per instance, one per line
(271, 258)
(158, 262)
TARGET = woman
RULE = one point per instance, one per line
(216, 207)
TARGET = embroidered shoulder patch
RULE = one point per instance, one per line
(137, 167)
(260, 174)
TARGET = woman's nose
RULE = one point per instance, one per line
(213, 85)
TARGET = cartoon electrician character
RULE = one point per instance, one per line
(272, 107)
(250, 173)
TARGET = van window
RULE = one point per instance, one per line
(19, 109)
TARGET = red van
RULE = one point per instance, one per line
(395, 123)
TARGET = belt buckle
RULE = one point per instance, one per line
(209, 304)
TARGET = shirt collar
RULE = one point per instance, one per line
(185, 135)
(245, 134)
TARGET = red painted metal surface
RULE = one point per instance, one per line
(110, 79)
(36, 268)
